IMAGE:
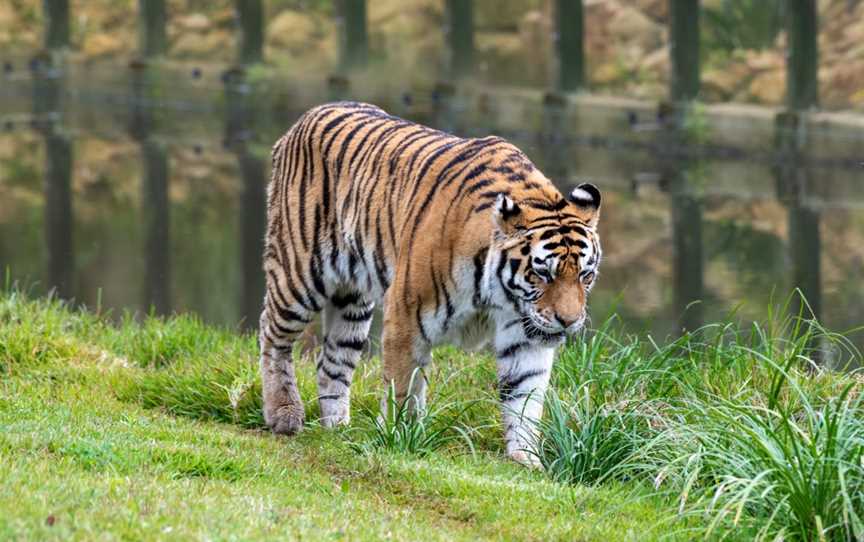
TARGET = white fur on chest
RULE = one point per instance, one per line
(473, 333)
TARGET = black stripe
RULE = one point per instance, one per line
(292, 288)
(315, 264)
(366, 149)
(479, 185)
(337, 362)
(342, 301)
(352, 344)
(420, 325)
(479, 263)
(358, 317)
(493, 194)
(285, 332)
(337, 376)
(287, 314)
(378, 255)
(448, 304)
(509, 385)
(346, 142)
(540, 204)
(512, 349)
(310, 298)
(484, 206)
(512, 323)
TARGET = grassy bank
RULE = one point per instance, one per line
(727, 432)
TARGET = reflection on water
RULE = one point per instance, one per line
(47, 95)
(154, 194)
(793, 177)
(239, 135)
(147, 192)
(687, 274)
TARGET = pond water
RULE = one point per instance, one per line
(125, 188)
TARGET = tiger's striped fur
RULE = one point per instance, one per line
(460, 239)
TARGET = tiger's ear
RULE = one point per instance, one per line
(586, 197)
(506, 214)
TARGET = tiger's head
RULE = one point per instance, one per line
(549, 254)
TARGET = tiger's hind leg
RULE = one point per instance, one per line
(347, 319)
(282, 322)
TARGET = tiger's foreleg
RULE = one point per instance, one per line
(405, 353)
(347, 319)
(523, 377)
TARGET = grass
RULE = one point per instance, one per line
(782, 475)
(732, 431)
(154, 431)
(740, 425)
(400, 429)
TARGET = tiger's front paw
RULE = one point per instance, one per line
(525, 458)
(285, 420)
(333, 415)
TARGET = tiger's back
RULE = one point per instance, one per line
(362, 184)
(365, 207)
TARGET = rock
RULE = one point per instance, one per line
(10, 29)
(657, 62)
(502, 54)
(194, 22)
(768, 88)
(607, 73)
(502, 15)
(656, 9)
(842, 83)
(599, 41)
(629, 25)
(721, 84)
(402, 22)
(8, 16)
(535, 30)
(191, 45)
(854, 33)
(292, 30)
(407, 34)
(764, 60)
(647, 90)
(101, 45)
(855, 53)
(500, 43)
(224, 18)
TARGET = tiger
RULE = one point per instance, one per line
(458, 239)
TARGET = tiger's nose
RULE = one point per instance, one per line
(568, 323)
(565, 322)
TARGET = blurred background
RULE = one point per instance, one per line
(727, 136)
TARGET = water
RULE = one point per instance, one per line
(129, 189)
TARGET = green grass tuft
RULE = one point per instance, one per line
(401, 429)
(33, 333)
(220, 389)
(782, 474)
(157, 342)
(583, 441)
